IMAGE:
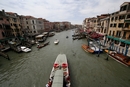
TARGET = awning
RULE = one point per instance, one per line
(110, 37)
(122, 40)
(114, 38)
(127, 42)
(118, 39)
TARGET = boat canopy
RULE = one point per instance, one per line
(39, 36)
(58, 79)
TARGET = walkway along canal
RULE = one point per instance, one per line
(86, 70)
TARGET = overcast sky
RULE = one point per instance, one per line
(74, 11)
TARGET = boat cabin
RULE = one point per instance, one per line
(58, 79)
(40, 38)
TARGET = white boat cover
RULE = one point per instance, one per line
(61, 58)
(58, 79)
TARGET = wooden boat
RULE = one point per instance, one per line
(43, 45)
(5, 48)
(59, 76)
(56, 41)
(51, 34)
(119, 57)
(87, 48)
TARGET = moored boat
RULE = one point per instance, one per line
(87, 48)
(95, 47)
(119, 57)
(25, 49)
(43, 45)
(56, 41)
(59, 76)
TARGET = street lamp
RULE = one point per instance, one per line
(111, 43)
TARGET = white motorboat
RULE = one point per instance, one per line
(25, 49)
(95, 47)
(56, 41)
(59, 76)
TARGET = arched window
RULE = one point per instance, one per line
(110, 32)
(3, 34)
(105, 30)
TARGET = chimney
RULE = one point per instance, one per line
(3, 11)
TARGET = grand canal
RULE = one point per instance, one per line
(86, 70)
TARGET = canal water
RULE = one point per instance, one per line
(86, 70)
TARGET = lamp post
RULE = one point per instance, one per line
(99, 47)
(109, 50)
(127, 46)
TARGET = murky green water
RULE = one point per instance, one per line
(86, 70)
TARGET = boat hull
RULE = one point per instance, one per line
(56, 42)
(87, 49)
(119, 57)
(59, 72)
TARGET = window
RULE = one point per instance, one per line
(128, 16)
(118, 33)
(33, 21)
(122, 44)
(127, 25)
(27, 27)
(120, 25)
(124, 35)
(116, 18)
(123, 8)
(1, 18)
(0, 26)
(113, 33)
(26, 22)
(116, 42)
(34, 31)
(110, 33)
(114, 25)
(105, 31)
(14, 19)
(33, 27)
(111, 25)
(112, 18)
(121, 17)
(39, 22)
(7, 19)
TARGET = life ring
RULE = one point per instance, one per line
(56, 65)
(64, 65)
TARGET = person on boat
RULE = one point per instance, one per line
(47, 85)
(67, 78)
(38, 45)
(68, 84)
